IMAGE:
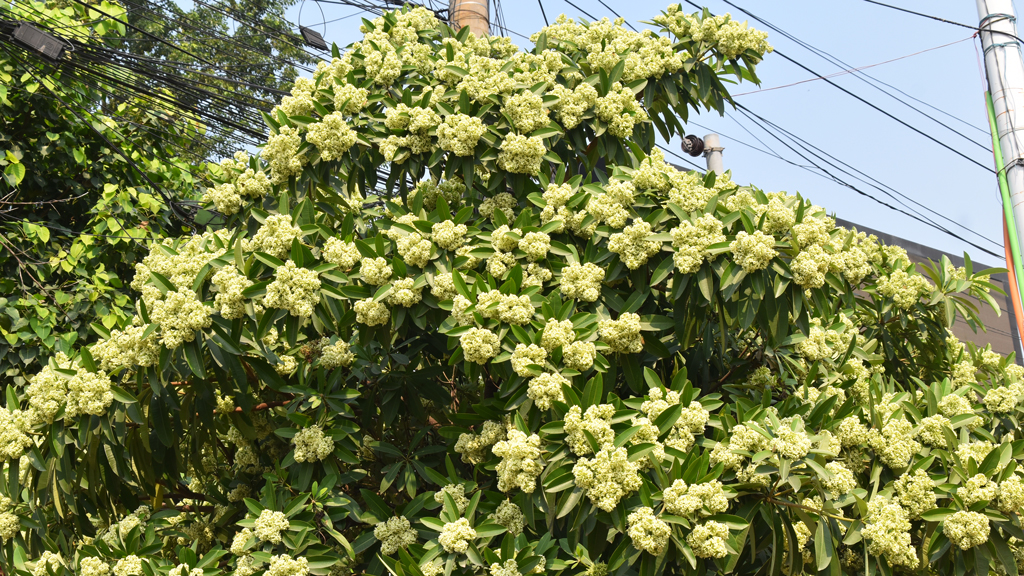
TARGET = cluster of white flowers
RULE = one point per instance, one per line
(414, 249)
(977, 488)
(282, 154)
(403, 293)
(180, 315)
(371, 313)
(375, 271)
(274, 237)
(695, 500)
(224, 197)
(1011, 495)
(753, 251)
(545, 389)
(455, 536)
(842, 480)
(10, 525)
(48, 561)
(526, 111)
(647, 532)
(415, 119)
(620, 109)
(335, 355)
(632, 245)
(557, 333)
(270, 524)
(448, 235)
(300, 103)
(622, 335)
(904, 289)
(521, 154)
(502, 202)
(458, 494)
(582, 281)
(966, 529)
(691, 421)
(480, 345)
(475, 448)
(127, 348)
(349, 98)
(510, 516)
(741, 439)
(526, 354)
(691, 242)
(536, 245)
(460, 313)
(930, 430)
(312, 445)
(1004, 399)
(443, 286)
(459, 134)
(573, 103)
(977, 450)
(130, 565)
(732, 38)
(608, 477)
(597, 421)
(579, 355)
(915, 492)
(393, 534)
(180, 261)
(240, 541)
(332, 136)
(520, 461)
(285, 565)
(294, 289)
(93, 566)
(230, 285)
(887, 529)
(790, 440)
(708, 539)
(509, 568)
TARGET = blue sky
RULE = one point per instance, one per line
(860, 34)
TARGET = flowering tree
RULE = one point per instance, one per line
(542, 350)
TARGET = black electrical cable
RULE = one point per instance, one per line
(585, 13)
(874, 106)
(543, 13)
(617, 15)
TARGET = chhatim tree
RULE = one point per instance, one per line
(545, 350)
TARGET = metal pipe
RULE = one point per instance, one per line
(472, 13)
(713, 154)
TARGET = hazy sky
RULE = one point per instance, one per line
(860, 34)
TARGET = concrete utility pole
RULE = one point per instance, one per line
(713, 154)
(1005, 70)
(472, 13)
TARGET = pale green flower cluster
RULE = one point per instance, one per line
(480, 345)
(338, 354)
(444, 287)
(622, 335)
(842, 480)
(240, 540)
(545, 389)
(285, 565)
(526, 111)
(509, 568)
(741, 439)
(415, 119)
(375, 271)
(695, 500)
(393, 534)
(632, 245)
(224, 197)
(953, 405)
(350, 99)
(505, 239)
(455, 536)
(536, 245)
(597, 421)
(93, 566)
(582, 281)
(300, 103)
(47, 560)
(371, 313)
(269, 526)
(475, 448)
(753, 251)
(731, 37)
(10, 525)
(930, 430)
(448, 235)
(520, 461)
(230, 285)
(502, 201)
(128, 347)
(611, 206)
(977, 450)
(526, 354)
(1004, 399)
(130, 565)
(332, 136)
(608, 477)
(521, 154)
(647, 532)
(458, 494)
(692, 419)
(274, 237)
(178, 261)
(915, 492)
(460, 133)
(282, 154)
(966, 529)
(977, 488)
(579, 355)
(904, 289)
(180, 315)
(294, 289)
(1011, 495)
(708, 539)
(404, 294)
(573, 103)
(312, 445)
(691, 242)
(557, 333)
(887, 529)
(620, 110)
(510, 516)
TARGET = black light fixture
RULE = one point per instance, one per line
(693, 145)
(313, 38)
(35, 39)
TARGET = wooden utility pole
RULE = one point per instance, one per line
(472, 13)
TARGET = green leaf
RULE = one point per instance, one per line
(937, 514)
(121, 395)
(15, 173)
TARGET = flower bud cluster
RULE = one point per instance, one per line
(332, 136)
(230, 285)
(622, 335)
(691, 242)
(371, 313)
(545, 389)
(294, 289)
(647, 532)
(480, 345)
(275, 237)
(520, 461)
(526, 354)
(608, 477)
(393, 534)
(475, 448)
(582, 281)
(312, 445)
(632, 245)
(597, 421)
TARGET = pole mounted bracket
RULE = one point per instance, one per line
(693, 145)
